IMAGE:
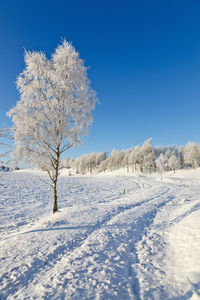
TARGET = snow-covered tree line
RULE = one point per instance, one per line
(145, 158)
(85, 163)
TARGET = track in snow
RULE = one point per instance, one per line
(89, 249)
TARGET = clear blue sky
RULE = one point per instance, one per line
(144, 59)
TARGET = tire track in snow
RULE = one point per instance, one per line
(39, 266)
(133, 289)
(141, 229)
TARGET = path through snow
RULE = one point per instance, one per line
(102, 244)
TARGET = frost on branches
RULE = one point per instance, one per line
(5, 147)
(54, 109)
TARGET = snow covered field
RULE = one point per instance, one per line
(102, 244)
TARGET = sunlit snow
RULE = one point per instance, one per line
(103, 243)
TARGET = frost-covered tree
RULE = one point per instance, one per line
(67, 163)
(115, 159)
(100, 157)
(192, 154)
(54, 109)
(181, 156)
(91, 162)
(126, 159)
(161, 164)
(5, 145)
(87, 162)
(147, 156)
(104, 165)
(81, 164)
(135, 157)
(174, 162)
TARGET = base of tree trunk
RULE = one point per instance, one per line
(55, 210)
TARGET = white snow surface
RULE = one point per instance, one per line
(102, 244)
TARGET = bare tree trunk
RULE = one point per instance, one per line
(55, 179)
(55, 205)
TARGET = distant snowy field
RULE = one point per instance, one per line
(102, 244)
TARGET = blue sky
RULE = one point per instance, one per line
(143, 59)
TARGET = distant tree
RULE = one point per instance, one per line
(114, 160)
(158, 150)
(81, 164)
(54, 109)
(104, 165)
(135, 157)
(126, 160)
(181, 156)
(92, 162)
(66, 163)
(147, 156)
(161, 164)
(192, 154)
(174, 162)
(100, 157)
